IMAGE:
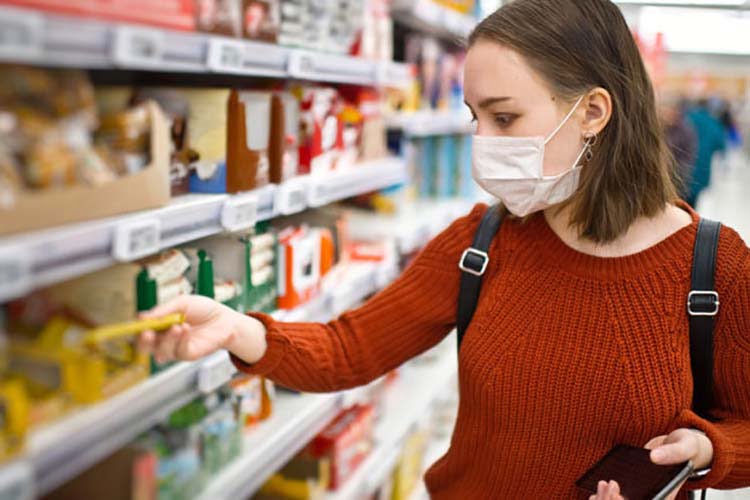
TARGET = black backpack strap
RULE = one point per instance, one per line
(473, 265)
(702, 308)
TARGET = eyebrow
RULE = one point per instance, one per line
(489, 101)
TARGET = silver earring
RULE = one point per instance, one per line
(590, 138)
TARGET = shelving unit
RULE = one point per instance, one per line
(38, 38)
(41, 258)
(64, 449)
(428, 123)
(406, 403)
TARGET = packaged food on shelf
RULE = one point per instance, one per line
(58, 148)
(219, 17)
(346, 442)
(283, 149)
(15, 413)
(304, 478)
(376, 41)
(409, 467)
(333, 27)
(253, 396)
(320, 129)
(306, 254)
(248, 140)
(261, 19)
(462, 6)
(175, 14)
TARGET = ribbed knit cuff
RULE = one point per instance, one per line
(724, 454)
(276, 345)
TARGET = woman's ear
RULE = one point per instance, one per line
(597, 106)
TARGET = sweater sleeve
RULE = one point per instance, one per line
(411, 315)
(730, 435)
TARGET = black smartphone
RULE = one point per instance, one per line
(639, 478)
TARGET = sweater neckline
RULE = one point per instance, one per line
(558, 253)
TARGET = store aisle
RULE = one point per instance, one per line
(728, 200)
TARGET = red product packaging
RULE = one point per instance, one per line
(346, 442)
(321, 130)
(175, 14)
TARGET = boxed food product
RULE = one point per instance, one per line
(408, 470)
(303, 478)
(249, 134)
(321, 129)
(346, 442)
(220, 17)
(176, 14)
(305, 256)
(283, 150)
(253, 397)
(60, 166)
(261, 19)
(14, 411)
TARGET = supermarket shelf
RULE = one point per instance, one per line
(429, 123)
(413, 226)
(66, 448)
(434, 19)
(35, 37)
(33, 260)
(296, 420)
(406, 403)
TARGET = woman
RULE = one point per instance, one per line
(580, 337)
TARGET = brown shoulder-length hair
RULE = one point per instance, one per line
(576, 46)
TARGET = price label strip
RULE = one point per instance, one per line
(215, 371)
(137, 47)
(225, 56)
(136, 239)
(15, 273)
(21, 35)
(291, 197)
(240, 212)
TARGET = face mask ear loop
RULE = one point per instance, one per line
(562, 124)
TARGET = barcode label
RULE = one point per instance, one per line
(215, 371)
(135, 46)
(225, 55)
(291, 197)
(240, 212)
(136, 239)
(21, 34)
(15, 274)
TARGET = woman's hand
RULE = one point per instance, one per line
(676, 448)
(208, 327)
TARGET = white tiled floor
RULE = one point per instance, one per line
(728, 200)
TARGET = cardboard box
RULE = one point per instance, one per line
(148, 188)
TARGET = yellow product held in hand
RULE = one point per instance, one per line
(132, 328)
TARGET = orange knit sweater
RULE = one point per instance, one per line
(568, 354)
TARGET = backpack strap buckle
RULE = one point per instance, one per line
(474, 261)
(703, 303)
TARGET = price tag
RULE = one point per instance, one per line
(16, 481)
(215, 371)
(137, 46)
(240, 212)
(301, 64)
(291, 197)
(21, 34)
(15, 273)
(225, 56)
(136, 239)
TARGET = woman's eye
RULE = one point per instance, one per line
(504, 120)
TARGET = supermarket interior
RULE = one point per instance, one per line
(284, 157)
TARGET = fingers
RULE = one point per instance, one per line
(166, 344)
(607, 491)
(675, 453)
(147, 341)
(655, 443)
(176, 305)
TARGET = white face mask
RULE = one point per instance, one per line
(511, 169)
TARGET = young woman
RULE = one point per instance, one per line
(580, 338)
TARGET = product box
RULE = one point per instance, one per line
(261, 19)
(148, 188)
(283, 149)
(219, 17)
(446, 179)
(346, 442)
(303, 478)
(174, 14)
(305, 256)
(248, 139)
(321, 131)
